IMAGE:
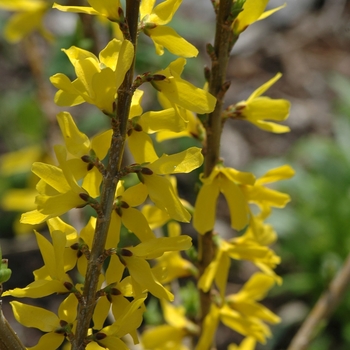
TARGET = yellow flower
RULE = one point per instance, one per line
(97, 79)
(52, 277)
(127, 322)
(153, 20)
(105, 8)
(238, 249)
(58, 190)
(141, 273)
(130, 217)
(253, 11)
(28, 19)
(226, 181)
(242, 313)
(265, 197)
(257, 109)
(245, 301)
(160, 189)
(180, 92)
(172, 265)
(55, 327)
(79, 145)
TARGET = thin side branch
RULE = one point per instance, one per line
(324, 307)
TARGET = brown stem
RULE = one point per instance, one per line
(110, 181)
(323, 308)
(217, 87)
(8, 338)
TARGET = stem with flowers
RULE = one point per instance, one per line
(120, 271)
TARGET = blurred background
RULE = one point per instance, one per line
(309, 42)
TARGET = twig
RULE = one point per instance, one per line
(110, 181)
(323, 308)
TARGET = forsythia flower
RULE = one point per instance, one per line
(57, 327)
(242, 313)
(172, 265)
(29, 18)
(97, 79)
(105, 8)
(265, 197)
(52, 276)
(153, 20)
(125, 212)
(79, 145)
(257, 109)
(141, 274)
(58, 190)
(238, 249)
(180, 92)
(253, 11)
(160, 189)
(226, 181)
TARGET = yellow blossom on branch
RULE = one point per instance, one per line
(55, 327)
(226, 181)
(241, 312)
(258, 109)
(52, 277)
(141, 274)
(253, 11)
(180, 92)
(153, 20)
(81, 147)
(97, 79)
(58, 190)
(265, 197)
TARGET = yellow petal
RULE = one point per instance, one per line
(38, 289)
(161, 120)
(135, 195)
(135, 222)
(107, 8)
(182, 162)
(259, 91)
(49, 341)
(164, 197)
(167, 37)
(205, 207)
(252, 10)
(146, 7)
(237, 203)
(77, 143)
(33, 316)
(164, 12)
(67, 310)
(76, 9)
(141, 147)
(141, 272)
(154, 248)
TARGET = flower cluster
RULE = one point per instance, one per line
(107, 269)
